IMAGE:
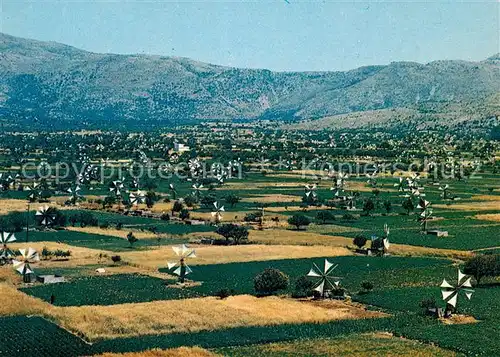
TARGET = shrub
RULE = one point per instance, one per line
(232, 199)
(348, 217)
(367, 286)
(428, 303)
(116, 258)
(184, 214)
(131, 238)
(368, 206)
(190, 200)
(324, 216)
(224, 293)
(165, 217)
(46, 253)
(303, 287)
(299, 220)
(62, 253)
(87, 219)
(253, 217)
(359, 241)
(270, 281)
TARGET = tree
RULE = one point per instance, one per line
(233, 231)
(184, 214)
(151, 199)
(368, 206)
(131, 238)
(324, 216)
(388, 206)
(87, 219)
(408, 205)
(109, 201)
(232, 199)
(208, 200)
(270, 281)
(190, 200)
(299, 220)
(177, 207)
(360, 241)
(483, 265)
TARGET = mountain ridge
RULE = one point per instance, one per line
(49, 81)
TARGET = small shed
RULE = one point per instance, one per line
(50, 279)
(438, 233)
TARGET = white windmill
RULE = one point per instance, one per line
(450, 293)
(350, 203)
(400, 185)
(74, 194)
(341, 180)
(137, 197)
(325, 283)
(445, 192)
(171, 187)
(34, 191)
(310, 191)
(116, 188)
(386, 237)
(425, 214)
(183, 252)
(45, 215)
(5, 252)
(217, 213)
(372, 178)
(197, 189)
(23, 266)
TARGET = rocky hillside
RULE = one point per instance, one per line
(47, 82)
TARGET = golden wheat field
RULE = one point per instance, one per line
(174, 352)
(229, 254)
(191, 315)
(112, 232)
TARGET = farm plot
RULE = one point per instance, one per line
(120, 288)
(109, 290)
(99, 241)
(373, 344)
(193, 315)
(227, 254)
(173, 352)
(37, 337)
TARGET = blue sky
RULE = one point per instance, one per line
(278, 35)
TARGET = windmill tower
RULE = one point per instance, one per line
(217, 212)
(34, 191)
(172, 189)
(23, 266)
(197, 189)
(137, 197)
(74, 194)
(5, 252)
(325, 283)
(182, 252)
(450, 293)
(425, 214)
(310, 192)
(45, 216)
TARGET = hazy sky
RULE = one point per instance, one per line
(278, 34)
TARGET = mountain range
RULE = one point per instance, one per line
(49, 82)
